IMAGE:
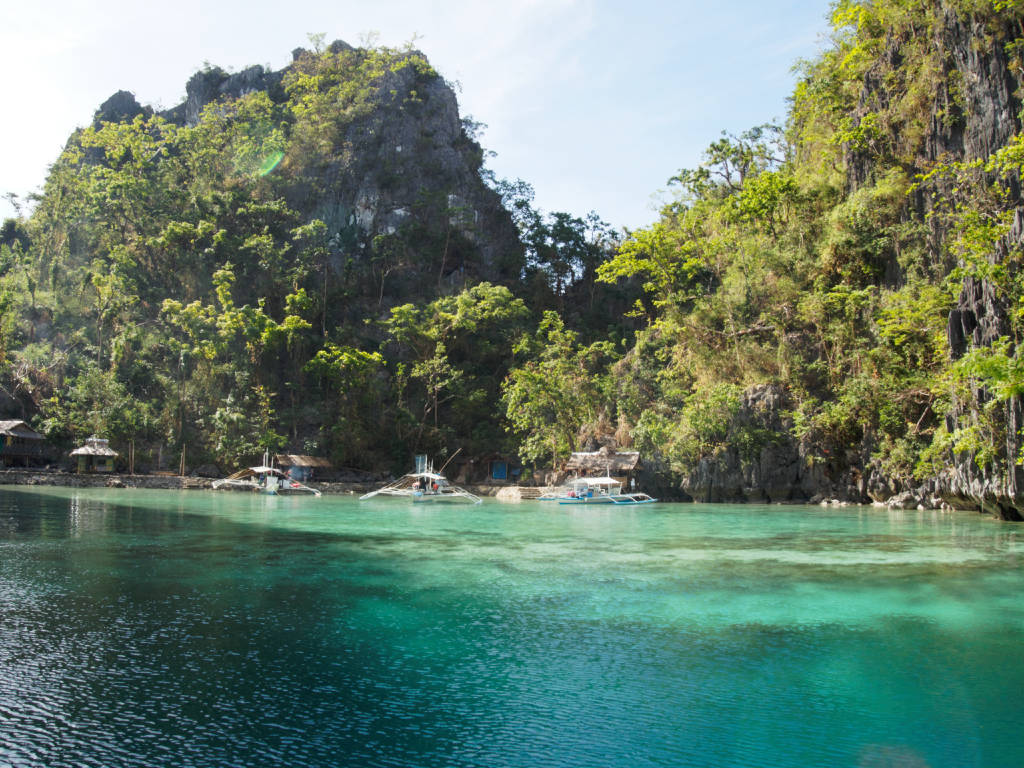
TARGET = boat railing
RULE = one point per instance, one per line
(632, 498)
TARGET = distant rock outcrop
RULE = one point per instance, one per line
(402, 187)
(214, 84)
(119, 108)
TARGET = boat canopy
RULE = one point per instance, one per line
(595, 490)
(424, 486)
(600, 481)
(263, 479)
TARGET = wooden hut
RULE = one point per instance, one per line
(95, 456)
(19, 443)
(301, 468)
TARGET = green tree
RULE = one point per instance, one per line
(557, 391)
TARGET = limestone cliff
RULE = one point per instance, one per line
(775, 466)
(398, 184)
(989, 89)
(974, 110)
(944, 88)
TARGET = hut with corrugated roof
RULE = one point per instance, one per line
(95, 456)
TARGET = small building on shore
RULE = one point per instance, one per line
(503, 469)
(300, 467)
(619, 464)
(20, 444)
(95, 456)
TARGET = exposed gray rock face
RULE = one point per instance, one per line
(121, 107)
(777, 467)
(214, 84)
(915, 500)
(987, 86)
(401, 191)
(773, 473)
(980, 318)
(990, 118)
(412, 169)
(975, 112)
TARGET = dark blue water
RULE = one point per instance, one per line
(197, 629)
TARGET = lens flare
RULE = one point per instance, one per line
(270, 163)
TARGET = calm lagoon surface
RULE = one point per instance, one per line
(160, 628)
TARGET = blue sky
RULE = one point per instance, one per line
(595, 103)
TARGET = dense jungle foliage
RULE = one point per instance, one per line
(167, 288)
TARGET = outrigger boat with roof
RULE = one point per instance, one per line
(263, 479)
(424, 485)
(597, 490)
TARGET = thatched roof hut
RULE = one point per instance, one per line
(16, 428)
(19, 442)
(603, 462)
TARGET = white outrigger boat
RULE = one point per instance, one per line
(263, 479)
(424, 485)
(597, 490)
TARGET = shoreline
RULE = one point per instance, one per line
(39, 477)
(503, 493)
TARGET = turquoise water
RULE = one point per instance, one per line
(201, 629)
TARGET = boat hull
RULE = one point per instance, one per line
(424, 488)
(265, 489)
(444, 498)
(615, 499)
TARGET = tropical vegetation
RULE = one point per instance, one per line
(171, 286)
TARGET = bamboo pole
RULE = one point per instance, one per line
(441, 470)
